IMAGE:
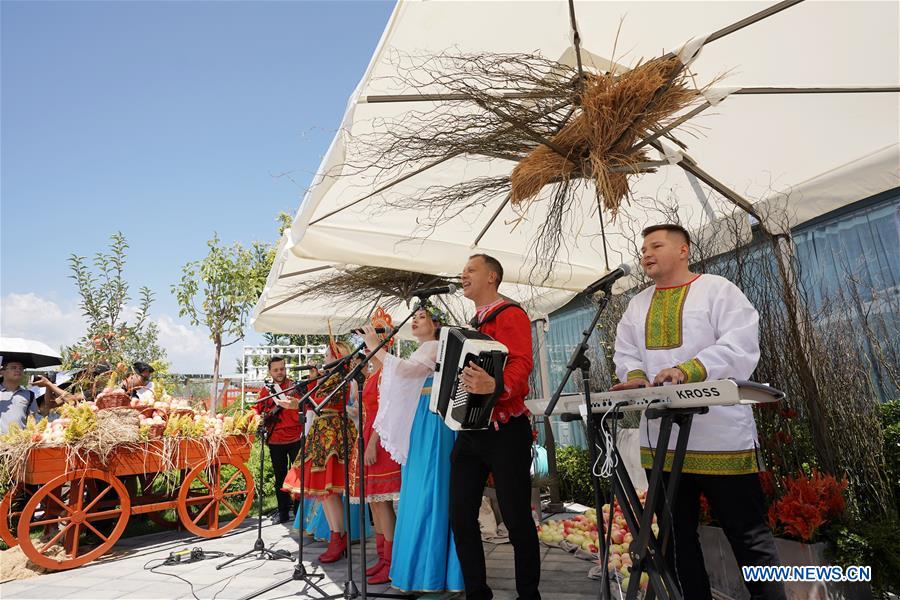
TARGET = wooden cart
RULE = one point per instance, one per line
(86, 506)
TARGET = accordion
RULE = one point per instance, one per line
(458, 347)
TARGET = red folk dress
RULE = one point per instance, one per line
(382, 477)
(325, 458)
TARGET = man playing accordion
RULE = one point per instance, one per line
(504, 448)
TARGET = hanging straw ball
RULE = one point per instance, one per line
(616, 112)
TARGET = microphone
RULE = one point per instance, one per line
(377, 330)
(435, 291)
(607, 280)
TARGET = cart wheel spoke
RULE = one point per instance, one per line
(202, 512)
(79, 497)
(94, 529)
(73, 535)
(48, 521)
(230, 507)
(55, 538)
(230, 481)
(97, 499)
(62, 504)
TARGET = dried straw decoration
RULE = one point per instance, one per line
(600, 141)
(559, 127)
(372, 286)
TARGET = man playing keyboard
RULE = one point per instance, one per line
(684, 329)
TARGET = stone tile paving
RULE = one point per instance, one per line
(125, 572)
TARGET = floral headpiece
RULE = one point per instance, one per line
(380, 318)
(436, 314)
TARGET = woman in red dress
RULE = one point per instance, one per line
(325, 458)
(382, 473)
(382, 480)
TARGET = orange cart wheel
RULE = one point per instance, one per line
(215, 498)
(66, 509)
(10, 511)
(167, 519)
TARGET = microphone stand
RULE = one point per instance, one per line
(580, 361)
(350, 590)
(300, 573)
(262, 434)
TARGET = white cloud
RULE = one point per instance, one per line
(31, 316)
(188, 349)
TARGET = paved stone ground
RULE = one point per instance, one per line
(124, 572)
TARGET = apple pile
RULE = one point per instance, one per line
(157, 418)
(165, 404)
(582, 531)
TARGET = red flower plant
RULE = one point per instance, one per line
(705, 514)
(807, 504)
(783, 437)
(768, 484)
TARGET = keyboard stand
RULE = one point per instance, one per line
(648, 551)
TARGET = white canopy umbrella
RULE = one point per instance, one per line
(773, 138)
(31, 353)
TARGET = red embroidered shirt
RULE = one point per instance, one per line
(512, 327)
(287, 422)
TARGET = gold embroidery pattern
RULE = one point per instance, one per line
(662, 329)
(693, 370)
(737, 462)
(636, 374)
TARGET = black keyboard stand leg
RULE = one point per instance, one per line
(648, 551)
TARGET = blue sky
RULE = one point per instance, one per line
(167, 121)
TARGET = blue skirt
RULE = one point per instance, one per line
(315, 524)
(424, 554)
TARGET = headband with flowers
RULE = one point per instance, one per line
(436, 314)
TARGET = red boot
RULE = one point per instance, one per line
(379, 546)
(384, 575)
(337, 547)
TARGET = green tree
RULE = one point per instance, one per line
(111, 338)
(219, 291)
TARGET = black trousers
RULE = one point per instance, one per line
(736, 502)
(505, 452)
(283, 456)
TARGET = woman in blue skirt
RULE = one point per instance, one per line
(316, 525)
(424, 554)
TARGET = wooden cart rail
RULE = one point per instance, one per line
(85, 506)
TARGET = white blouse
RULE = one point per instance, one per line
(399, 393)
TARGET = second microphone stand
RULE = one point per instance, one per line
(300, 572)
(350, 376)
(580, 361)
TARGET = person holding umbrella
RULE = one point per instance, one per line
(16, 401)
